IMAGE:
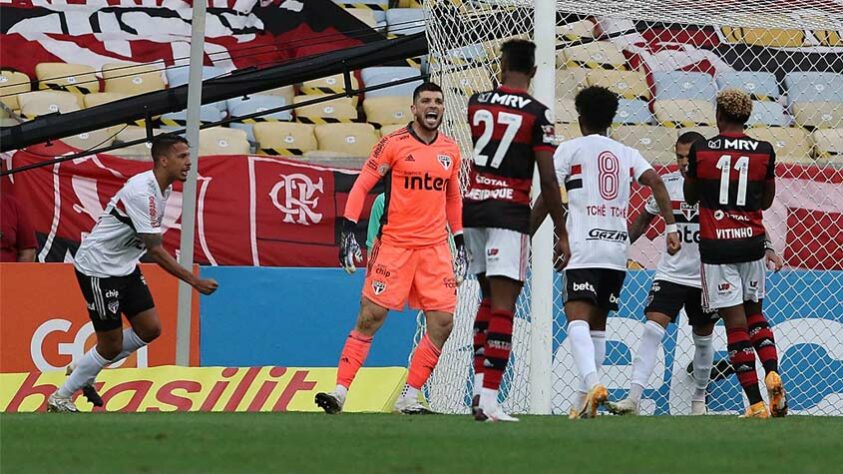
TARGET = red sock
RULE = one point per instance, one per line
(498, 347)
(481, 328)
(743, 361)
(423, 362)
(762, 339)
(353, 355)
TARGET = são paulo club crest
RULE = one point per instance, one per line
(445, 161)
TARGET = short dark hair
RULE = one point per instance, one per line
(690, 137)
(519, 55)
(426, 87)
(162, 144)
(596, 107)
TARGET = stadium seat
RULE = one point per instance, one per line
(410, 3)
(819, 114)
(707, 132)
(652, 141)
(767, 37)
(76, 78)
(178, 75)
(594, 55)
(570, 81)
(684, 113)
(366, 16)
(287, 92)
(565, 111)
(223, 141)
(574, 31)
(6, 119)
(766, 113)
(142, 151)
(630, 85)
(814, 87)
(207, 114)
(567, 131)
(337, 110)
(682, 85)
(388, 110)
(792, 144)
(473, 54)
(761, 85)
(100, 98)
(387, 129)
(329, 85)
(326, 154)
(373, 76)
(132, 79)
(468, 81)
(13, 83)
(33, 104)
(93, 139)
(404, 21)
(241, 106)
(378, 7)
(633, 112)
(829, 38)
(829, 145)
(284, 138)
(354, 139)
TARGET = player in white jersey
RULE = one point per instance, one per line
(108, 273)
(597, 172)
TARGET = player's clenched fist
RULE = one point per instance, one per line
(674, 243)
(349, 248)
(206, 286)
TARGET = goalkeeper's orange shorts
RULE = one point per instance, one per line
(424, 276)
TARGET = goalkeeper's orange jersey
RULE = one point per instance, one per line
(422, 193)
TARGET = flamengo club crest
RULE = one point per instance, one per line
(445, 161)
(295, 195)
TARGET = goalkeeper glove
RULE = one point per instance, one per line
(460, 259)
(349, 248)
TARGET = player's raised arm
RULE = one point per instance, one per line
(155, 250)
(652, 180)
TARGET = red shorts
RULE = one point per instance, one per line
(425, 276)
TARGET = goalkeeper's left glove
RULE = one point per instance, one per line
(460, 259)
(349, 248)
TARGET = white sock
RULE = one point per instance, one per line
(488, 398)
(478, 383)
(598, 338)
(131, 343)
(341, 391)
(583, 350)
(645, 359)
(87, 368)
(703, 360)
(409, 392)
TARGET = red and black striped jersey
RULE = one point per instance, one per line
(731, 171)
(508, 126)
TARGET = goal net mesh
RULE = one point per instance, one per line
(666, 61)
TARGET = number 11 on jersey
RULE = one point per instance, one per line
(724, 164)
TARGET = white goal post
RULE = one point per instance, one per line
(666, 60)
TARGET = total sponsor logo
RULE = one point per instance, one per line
(720, 215)
(608, 235)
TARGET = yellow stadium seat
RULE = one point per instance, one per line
(829, 38)
(364, 15)
(93, 139)
(818, 114)
(653, 141)
(287, 92)
(626, 84)
(13, 83)
(575, 31)
(76, 78)
(355, 139)
(387, 129)
(100, 98)
(829, 144)
(223, 141)
(684, 113)
(33, 104)
(410, 3)
(333, 111)
(329, 85)
(565, 111)
(388, 110)
(707, 132)
(284, 138)
(570, 81)
(468, 81)
(768, 37)
(791, 144)
(567, 131)
(133, 79)
(325, 154)
(141, 151)
(594, 55)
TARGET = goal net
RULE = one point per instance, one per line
(666, 60)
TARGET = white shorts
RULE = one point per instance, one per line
(730, 284)
(497, 252)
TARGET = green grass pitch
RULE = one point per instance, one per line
(375, 443)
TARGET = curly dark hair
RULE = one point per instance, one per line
(596, 107)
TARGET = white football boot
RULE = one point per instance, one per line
(57, 404)
(623, 407)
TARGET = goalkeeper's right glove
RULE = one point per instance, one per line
(349, 248)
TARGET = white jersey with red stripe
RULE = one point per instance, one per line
(682, 268)
(597, 173)
(113, 248)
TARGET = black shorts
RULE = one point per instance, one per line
(600, 286)
(108, 298)
(668, 298)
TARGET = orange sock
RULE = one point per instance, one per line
(423, 362)
(353, 355)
